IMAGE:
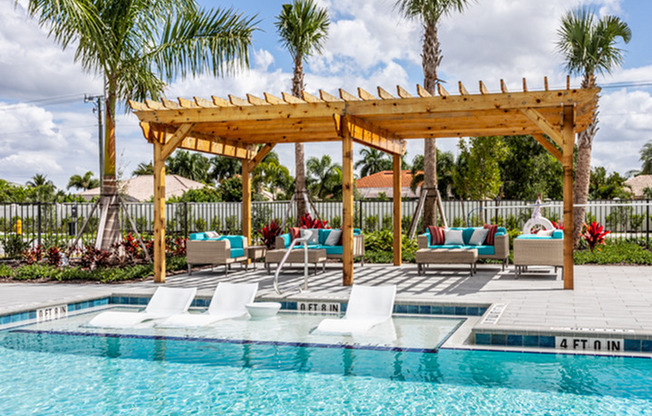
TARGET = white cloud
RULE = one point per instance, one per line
(33, 66)
(369, 46)
(35, 140)
(625, 122)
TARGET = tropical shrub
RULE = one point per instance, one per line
(175, 246)
(308, 222)
(33, 255)
(14, 245)
(54, 256)
(615, 252)
(379, 247)
(6, 271)
(594, 234)
(371, 223)
(36, 271)
(269, 233)
(93, 258)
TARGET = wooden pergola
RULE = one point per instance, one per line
(237, 128)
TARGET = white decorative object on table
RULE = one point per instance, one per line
(259, 310)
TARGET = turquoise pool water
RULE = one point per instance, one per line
(52, 373)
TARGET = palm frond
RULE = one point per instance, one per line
(303, 28)
(217, 41)
(589, 46)
(430, 11)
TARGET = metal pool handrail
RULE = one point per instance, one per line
(304, 240)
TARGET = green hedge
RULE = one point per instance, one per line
(622, 252)
(379, 247)
(104, 275)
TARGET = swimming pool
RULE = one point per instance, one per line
(47, 371)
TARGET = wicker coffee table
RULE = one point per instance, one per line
(315, 256)
(426, 256)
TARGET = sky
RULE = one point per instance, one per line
(46, 127)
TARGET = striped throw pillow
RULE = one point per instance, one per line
(295, 232)
(491, 234)
(437, 237)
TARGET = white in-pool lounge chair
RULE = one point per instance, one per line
(228, 302)
(165, 303)
(368, 306)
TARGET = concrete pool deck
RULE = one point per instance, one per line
(607, 301)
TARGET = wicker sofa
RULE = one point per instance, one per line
(537, 250)
(203, 248)
(498, 251)
(332, 252)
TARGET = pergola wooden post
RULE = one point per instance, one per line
(568, 133)
(236, 127)
(397, 210)
(246, 201)
(159, 214)
(347, 205)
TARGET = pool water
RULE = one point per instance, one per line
(46, 371)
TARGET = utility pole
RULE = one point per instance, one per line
(97, 108)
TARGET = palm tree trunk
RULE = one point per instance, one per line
(299, 164)
(110, 232)
(583, 168)
(430, 58)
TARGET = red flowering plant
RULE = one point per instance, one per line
(54, 256)
(33, 255)
(269, 233)
(558, 225)
(176, 246)
(594, 234)
(92, 258)
(308, 222)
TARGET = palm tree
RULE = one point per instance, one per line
(272, 176)
(589, 47)
(373, 161)
(323, 177)
(83, 182)
(134, 45)
(144, 169)
(429, 12)
(224, 167)
(445, 169)
(189, 165)
(646, 158)
(303, 28)
(42, 189)
(39, 180)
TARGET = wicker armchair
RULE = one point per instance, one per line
(538, 252)
(213, 253)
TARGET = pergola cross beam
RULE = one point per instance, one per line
(363, 132)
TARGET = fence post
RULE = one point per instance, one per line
(361, 213)
(647, 223)
(38, 210)
(185, 219)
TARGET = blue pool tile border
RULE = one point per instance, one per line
(399, 309)
(231, 341)
(546, 341)
(30, 315)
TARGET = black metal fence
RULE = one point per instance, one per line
(57, 224)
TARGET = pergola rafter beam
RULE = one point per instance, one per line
(363, 132)
(408, 105)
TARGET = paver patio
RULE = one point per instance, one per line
(608, 298)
